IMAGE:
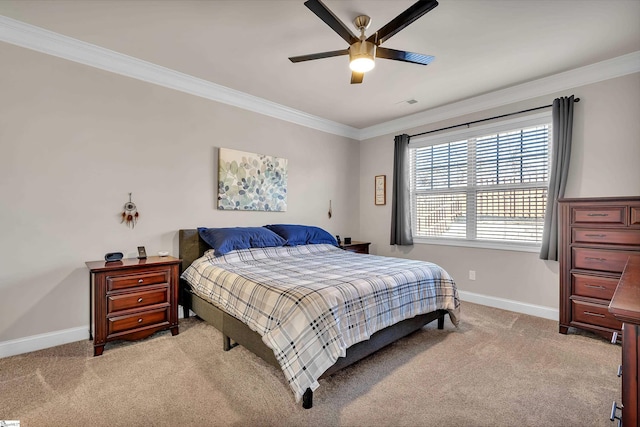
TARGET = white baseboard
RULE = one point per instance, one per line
(42, 341)
(52, 339)
(511, 305)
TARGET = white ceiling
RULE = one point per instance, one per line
(480, 46)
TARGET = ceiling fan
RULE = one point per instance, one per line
(362, 51)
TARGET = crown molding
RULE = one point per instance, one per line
(51, 43)
(604, 70)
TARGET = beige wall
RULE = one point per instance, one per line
(604, 162)
(74, 141)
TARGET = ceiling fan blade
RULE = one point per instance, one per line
(356, 77)
(319, 55)
(402, 21)
(401, 55)
(317, 7)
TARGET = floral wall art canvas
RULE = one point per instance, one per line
(251, 182)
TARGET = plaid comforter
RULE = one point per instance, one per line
(310, 303)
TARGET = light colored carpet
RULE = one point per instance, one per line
(498, 368)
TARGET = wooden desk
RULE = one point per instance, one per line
(625, 306)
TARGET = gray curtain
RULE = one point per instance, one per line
(561, 154)
(400, 200)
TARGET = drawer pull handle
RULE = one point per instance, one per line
(140, 320)
(586, 285)
(598, 214)
(140, 281)
(614, 408)
(590, 258)
(589, 313)
(596, 235)
(139, 299)
(619, 370)
(614, 337)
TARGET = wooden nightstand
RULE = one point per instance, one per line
(132, 299)
(357, 247)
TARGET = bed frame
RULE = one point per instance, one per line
(234, 332)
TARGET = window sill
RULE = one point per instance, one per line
(534, 248)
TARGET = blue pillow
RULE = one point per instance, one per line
(225, 240)
(302, 234)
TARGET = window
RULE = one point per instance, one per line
(485, 186)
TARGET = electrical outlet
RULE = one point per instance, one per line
(472, 275)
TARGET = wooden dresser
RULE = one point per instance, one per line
(597, 236)
(625, 306)
(132, 299)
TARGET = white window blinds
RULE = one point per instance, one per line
(491, 185)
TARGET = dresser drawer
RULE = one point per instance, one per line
(594, 314)
(593, 286)
(141, 279)
(603, 215)
(137, 320)
(635, 216)
(605, 236)
(120, 302)
(600, 259)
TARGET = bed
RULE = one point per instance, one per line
(339, 324)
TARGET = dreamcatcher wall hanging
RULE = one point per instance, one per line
(130, 214)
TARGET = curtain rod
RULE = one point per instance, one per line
(484, 120)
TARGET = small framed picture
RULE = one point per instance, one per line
(381, 190)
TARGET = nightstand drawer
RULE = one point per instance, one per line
(138, 320)
(594, 314)
(357, 247)
(120, 302)
(142, 279)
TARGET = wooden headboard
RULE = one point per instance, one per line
(190, 247)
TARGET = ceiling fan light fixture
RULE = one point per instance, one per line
(361, 56)
(363, 50)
